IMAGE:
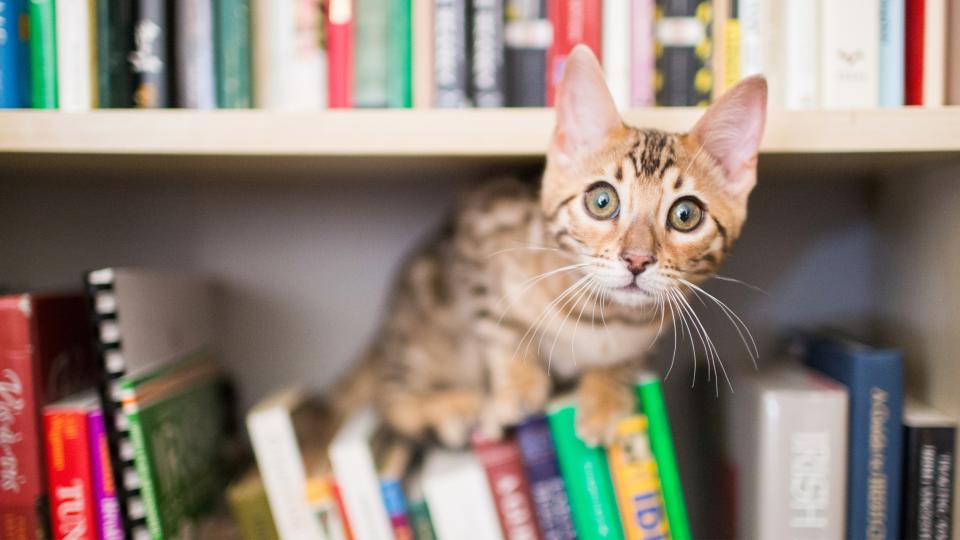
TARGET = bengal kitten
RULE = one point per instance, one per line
(572, 283)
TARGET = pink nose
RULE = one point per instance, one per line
(637, 263)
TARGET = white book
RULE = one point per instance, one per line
(800, 42)
(274, 437)
(289, 63)
(849, 54)
(787, 444)
(76, 58)
(751, 16)
(458, 496)
(616, 50)
(934, 52)
(194, 42)
(351, 457)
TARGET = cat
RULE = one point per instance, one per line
(528, 290)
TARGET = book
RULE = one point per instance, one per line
(392, 461)
(250, 507)
(14, 54)
(232, 60)
(149, 58)
(354, 467)
(69, 467)
(527, 34)
(289, 61)
(750, 17)
(457, 493)
(849, 54)
(340, 47)
(683, 48)
(732, 60)
(76, 58)
(450, 60)
(654, 407)
(511, 493)
(400, 55)
(874, 381)
(914, 51)
(786, 442)
(43, 54)
(371, 61)
(115, 43)
(934, 52)
(487, 53)
(543, 474)
(799, 82)
(953, 53)
(891, 54)
(586, 476)
(322, 501)
(193, 27)
(718, 35)
(642, 55)
(574, 22)
(616, 36)
(637, 482)
(106, 505)
(417, 507)
(422, 53)
(287, 432)
(929, 460)
(45, 355)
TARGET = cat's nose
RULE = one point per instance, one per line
(637, 263)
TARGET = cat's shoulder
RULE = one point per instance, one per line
(498, 203)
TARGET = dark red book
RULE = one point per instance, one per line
(574, 22)
(339, 54)
(44, 355)
(503, 463)
(914, 52)
(70, 467)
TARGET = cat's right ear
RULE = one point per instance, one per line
(586, 113)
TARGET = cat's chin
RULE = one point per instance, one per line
(632, 296)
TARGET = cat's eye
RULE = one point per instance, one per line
(685, 214)
(602, 201)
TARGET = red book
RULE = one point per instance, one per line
(45, 354)
(503, 464)
(574, 22)
(914, 52)
(339, 54)
(70, 467)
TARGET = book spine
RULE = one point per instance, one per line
(396, 505)
(456, 490)
(683, 61)
(652, 404)
(642, 55)
(400, 55)
(487, 53)
(194, 54)
(146, 478)
(593, 504)
(733, 45)
(913, 56)
(546, 484)
(718, 36)
(115, 20)
(637, 482)
(504, 467)
(69, 475)
(232, 52)
(371, 25)
(341, 54)
(422, 43)
(420, 520)
(527, 37)
(104, 490)
(934, 51)
(450, 71)
(928, 480)
(574, 22)
(800, 59)
(43, 54)
(149, 59)
(849, 63)
(749, 15)
(14, 54)
(250, 509)
(953, 54)
(616, 47)
(75, 78)
(892, 27)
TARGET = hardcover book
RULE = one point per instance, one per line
(43, 54)
(934, 52)
(799, 84)
(149, 58)
(115, 43)
(543, 474)
(194, 54)
(232, 53)
(450, 65)
(511, 494)
(290, 63)
(849, 54)
(892, 28)
(617, 22)
(400, 55)
(371, 64)
(14, 54)
(637, 482)
(69, 467)
(340, 45)
(459, 498)
(250, 507)
(76, 61)
(683, 60)
(929, 460)
(574, 22)
(487, 53)
(527, 36)
(642, 55)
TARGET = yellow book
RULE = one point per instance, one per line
(637, 482)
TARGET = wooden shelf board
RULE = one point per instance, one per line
(470, 133)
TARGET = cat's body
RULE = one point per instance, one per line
(572, 282)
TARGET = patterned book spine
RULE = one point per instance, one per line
(574, 22)
(400, 55)
(684, 77)
(504, 467)
(148, 58)
(527, 36)
(370, 68)
(732, 62)
(642, 57)
(892, 27)
(232, 54)
(340, 49)
(928, 476)
(450, 73)
(194, 54)
(396, 505)
(69, 474)
(487, 53)
(546, 484)
(115, 19)
(637, 482)
(14, 54)
(104, 489)
(43, 54)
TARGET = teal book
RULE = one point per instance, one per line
(232, 53)
(43, 54)
(115, 19)
(371, 61)
(400, 60)
(14, 54)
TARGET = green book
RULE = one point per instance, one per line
(178, 419)
(372, 58)
(650, 395)
(251, 508)
(399, 62)
(43, 53)
(115, 22)
(586, 476)
(232, 53)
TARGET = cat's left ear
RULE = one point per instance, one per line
(731, 130)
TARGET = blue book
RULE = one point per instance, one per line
(891, 53)
(14, 55)
(546, 485)
(874, 380)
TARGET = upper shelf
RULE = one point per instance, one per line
(438, 133)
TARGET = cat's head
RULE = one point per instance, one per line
(643, 208)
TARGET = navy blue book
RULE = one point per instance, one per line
(874, 380)
(546, 484)
(14, 55)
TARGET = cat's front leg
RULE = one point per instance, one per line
(604, 397)
(519, 387)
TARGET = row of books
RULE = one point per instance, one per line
(123, 432)
(825, 448)
(539, 482)
(309, 55)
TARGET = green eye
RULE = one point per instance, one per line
(685, 214)
(601, 201)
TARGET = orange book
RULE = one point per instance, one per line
(637, 482)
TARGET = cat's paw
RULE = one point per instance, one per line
(450, 415)
(523, 392)
(600, 409)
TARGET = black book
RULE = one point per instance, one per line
(114, 45)
(684, 52)
(450, 69)
(527, 36)
(928, 463)
(487, 58)
(150, 58)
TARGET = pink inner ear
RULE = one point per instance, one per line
(586, 113)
